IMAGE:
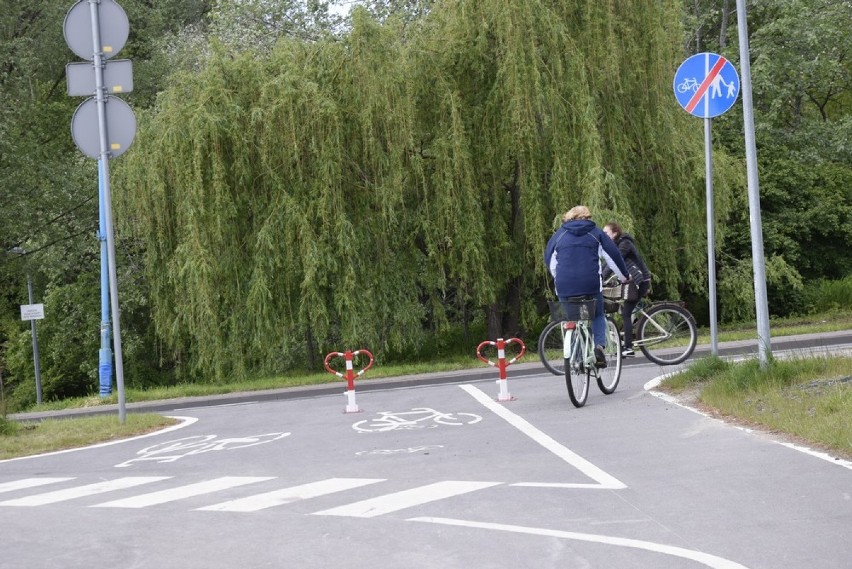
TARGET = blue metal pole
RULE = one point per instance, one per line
(105, 353)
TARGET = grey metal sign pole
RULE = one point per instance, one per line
(760, 297)
(35, 340)
(711, 238)
(97, 32)
(20, 252)
(100, 97)
(698, 89)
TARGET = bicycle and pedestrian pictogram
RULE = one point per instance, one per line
(706, 85)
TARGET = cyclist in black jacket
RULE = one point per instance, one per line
(640, 278)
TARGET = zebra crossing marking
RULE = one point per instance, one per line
(82, 491)
(181, 492)
(406, 499)
(29, 483)
(290, 495)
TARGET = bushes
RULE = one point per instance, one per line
(826, 295)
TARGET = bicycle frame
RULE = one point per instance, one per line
(665, 331)
(580, 352)
(642, 313)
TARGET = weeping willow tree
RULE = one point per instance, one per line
(370, 191)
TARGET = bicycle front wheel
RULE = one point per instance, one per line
(608, 377)
(577, 372)
(551, 348)
(667, 334)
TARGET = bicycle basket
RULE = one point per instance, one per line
(611, 306)
(575, 308)
(612, 292)
(619, 292)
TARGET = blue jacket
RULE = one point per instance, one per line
(573, 256)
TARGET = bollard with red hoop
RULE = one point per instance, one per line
(351, 405)
(502, 364)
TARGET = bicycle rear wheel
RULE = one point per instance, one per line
(609, 376)
(551, 348)
(667, 334)
(577, 373)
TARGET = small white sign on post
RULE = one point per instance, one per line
(32, 312)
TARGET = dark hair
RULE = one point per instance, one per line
(614, 227)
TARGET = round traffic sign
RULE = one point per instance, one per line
(706, 85)
(120, 125)
(112, 22)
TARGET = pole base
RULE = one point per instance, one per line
(351, 405)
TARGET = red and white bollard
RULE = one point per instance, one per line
(351, 404)
(502, 364)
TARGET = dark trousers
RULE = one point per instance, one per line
(627, 314)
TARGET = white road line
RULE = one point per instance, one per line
(604, 480)
(83, 491)
(704, 558)
(29, 483)
(185, 422)
(182, 492)
(652, 385)
(293, 494)
(406, 499)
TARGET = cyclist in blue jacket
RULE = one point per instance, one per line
(573, 256)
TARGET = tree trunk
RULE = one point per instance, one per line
(697, 10)
(511, 315)
(494, 320)
(723, 32)
(311, 349)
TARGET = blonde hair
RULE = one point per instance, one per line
(577, 212)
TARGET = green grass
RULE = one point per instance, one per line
(834, 321)
(819, 323)
(260, 384)
(25, 439)
(807, 398)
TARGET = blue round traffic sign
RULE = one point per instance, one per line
(706, 85)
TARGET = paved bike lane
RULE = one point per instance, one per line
(628, 481)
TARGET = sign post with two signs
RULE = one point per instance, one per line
(103, 127)
(706, 85)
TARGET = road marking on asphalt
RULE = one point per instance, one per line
(406, 499)
(292, 494)
(182, 492)
(604, 481)
(652, 385)
(29, 483)
(184, 422)
(83, 491)
(703, 558)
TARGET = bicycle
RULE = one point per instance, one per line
(665, 331)
(572, 327)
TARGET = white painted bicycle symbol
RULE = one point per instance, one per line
(417, 418)
(174, 450)
(688, 84)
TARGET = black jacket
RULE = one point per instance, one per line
(635, 264)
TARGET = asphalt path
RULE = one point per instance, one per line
(435, 473)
